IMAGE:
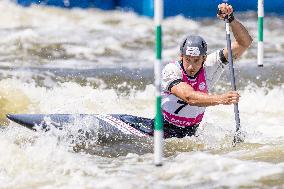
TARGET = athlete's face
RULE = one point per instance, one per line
(192, 64)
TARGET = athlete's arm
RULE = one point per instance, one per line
(195, 98)
(242, 38)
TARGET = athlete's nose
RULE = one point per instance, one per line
(190, 67)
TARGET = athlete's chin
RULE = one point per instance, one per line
(192, 74)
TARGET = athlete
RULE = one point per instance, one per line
(186, 83)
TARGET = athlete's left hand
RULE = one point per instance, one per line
(223, 10)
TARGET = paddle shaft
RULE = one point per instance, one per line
(232, 74)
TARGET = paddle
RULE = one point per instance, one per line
(238, 135)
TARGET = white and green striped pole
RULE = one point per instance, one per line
(260, 33)
(158, 128)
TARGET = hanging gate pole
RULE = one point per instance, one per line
(158, 128)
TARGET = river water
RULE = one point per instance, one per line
(88, 61)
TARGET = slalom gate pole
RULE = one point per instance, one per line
(260, 33)
(158, 128)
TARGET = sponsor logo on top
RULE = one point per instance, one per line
(201, 86)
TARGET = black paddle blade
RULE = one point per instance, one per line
(239, 137)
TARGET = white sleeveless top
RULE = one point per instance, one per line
(175, 110)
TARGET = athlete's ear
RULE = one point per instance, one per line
(204, 57)
(180, 57)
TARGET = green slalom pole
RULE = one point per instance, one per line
(158, 128)
(260, 54)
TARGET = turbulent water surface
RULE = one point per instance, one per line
(88, 61)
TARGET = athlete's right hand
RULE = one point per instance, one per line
(231, 97)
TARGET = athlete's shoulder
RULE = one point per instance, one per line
(172, 69)
(171, 73)
(216, 57)
(214, 67)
